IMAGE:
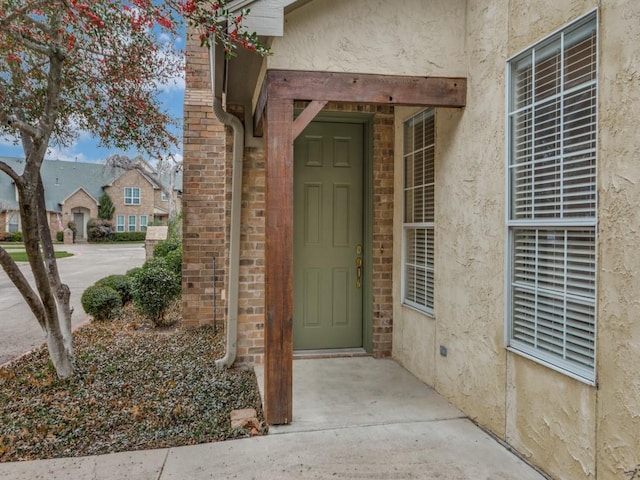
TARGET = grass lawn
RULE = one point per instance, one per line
(135, 388)
(22, 256)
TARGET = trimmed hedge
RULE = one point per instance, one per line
(120, 283)
(101, 302)
(129, 236)
(60, 236)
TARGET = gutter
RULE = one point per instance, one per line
(236, 196)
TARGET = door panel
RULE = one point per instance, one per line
(328, 229)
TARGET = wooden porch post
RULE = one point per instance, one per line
(278, 354)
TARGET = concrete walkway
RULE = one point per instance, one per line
(354, 418)
(19, 330)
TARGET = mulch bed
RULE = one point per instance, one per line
(135, 388)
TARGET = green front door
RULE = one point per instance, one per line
(328, 231)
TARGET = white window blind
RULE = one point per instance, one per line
(553, 207)
(419, 204)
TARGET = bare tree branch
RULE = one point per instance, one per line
(11, 172)
(12, 121)
(15, 275)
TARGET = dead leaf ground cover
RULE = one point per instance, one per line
(135, 388)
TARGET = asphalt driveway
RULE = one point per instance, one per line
(19, 330)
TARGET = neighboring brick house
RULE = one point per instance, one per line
(73, 191)
(499, 256)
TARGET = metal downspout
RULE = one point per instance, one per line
(236, 196)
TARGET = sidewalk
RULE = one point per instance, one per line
(354, 418)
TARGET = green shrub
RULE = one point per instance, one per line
(101, 302)
(174, 261)
(14, 237)
(120, 283)
(60, 236)
(129, 236)
(133, 272)
(162, 249)
(154, 286)
(175, 228)
(100, 231)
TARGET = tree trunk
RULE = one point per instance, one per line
(48, 285)
(58, 354)
(61, 290)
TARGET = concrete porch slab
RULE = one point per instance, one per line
(356, 391)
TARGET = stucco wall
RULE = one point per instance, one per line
(371, 36)
(568, 428)
(618, 335)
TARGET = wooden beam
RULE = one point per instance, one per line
(367, 88)
(360, 88)
(258, 124)
(278, 335)
(307, 115)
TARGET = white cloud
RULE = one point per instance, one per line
(66, 155)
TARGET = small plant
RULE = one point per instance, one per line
(155, 285)
(162, 249)
(14, 237)
(60, 236)
(100, 231)
(120, 283)
(101, 302)
(174, 260)
(175, 228)
(74, 228)
(106, 208)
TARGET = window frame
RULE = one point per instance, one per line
(548, 224)
(426, 307)
(144, 225)
(132, 195)
(13, 226)
(130, 225)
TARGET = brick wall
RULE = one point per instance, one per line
(135, 179)
(206, 210)
(204, 200)
(382, 242)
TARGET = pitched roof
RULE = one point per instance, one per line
(61, 179)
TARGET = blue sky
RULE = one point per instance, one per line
(86, 148)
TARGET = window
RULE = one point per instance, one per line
(132, 196)
(132, 223)
(164, 197)
(552, 201)
(418, 267)
(13, 225)
(120, 223)
(143, 223)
